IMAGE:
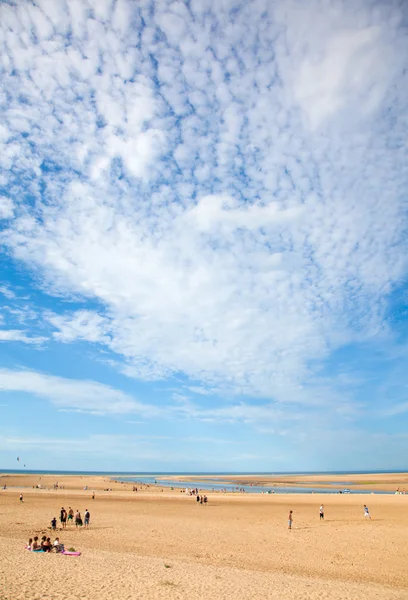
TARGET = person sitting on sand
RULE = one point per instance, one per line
(30, 543)
(35, 545)
(46, 545)
(58, 547)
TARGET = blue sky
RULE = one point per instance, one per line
(203, 234)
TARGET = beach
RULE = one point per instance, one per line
(162, 544)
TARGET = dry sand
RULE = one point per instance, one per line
(153, 544)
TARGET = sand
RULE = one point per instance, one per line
(387, 482)
(154, 544)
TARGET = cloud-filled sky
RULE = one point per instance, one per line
(203, 233)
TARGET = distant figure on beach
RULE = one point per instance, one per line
(21, 498)
(30, 542)
(54, 524)
(93, 495)
(87, 517)
(205, 499)
(201, 499)
(366, 512)
(70, 514)
(63, 517)
(290, 519)
(198, 499)
(321, 512)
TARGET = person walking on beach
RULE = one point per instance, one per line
(70, 514)
(63, 518)
(290, 519)
(21, 498)
(78, 519)
(321, 512)
(53, 523)
(87, 517)
(197, 499)
(366, 512)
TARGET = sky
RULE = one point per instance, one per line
(203, 235)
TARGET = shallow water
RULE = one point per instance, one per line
(251, 489)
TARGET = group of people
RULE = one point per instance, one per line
(321, 515)
(201, 499)
(44, 545)
(66, 516)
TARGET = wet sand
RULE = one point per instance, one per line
(161, 544)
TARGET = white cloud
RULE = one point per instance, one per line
(6, 208)
(7, 292)
(87, 396)
(83, 324)
(16, 335)
(229, 191)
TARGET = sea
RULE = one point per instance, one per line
(173, 480)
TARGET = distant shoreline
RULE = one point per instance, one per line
(391, 481)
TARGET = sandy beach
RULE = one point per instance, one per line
(161, 544)
(384, 482)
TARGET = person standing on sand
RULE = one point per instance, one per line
(366, 512)
(70, 514)
(63, 518)
(21, 498)
(321, 512)
(290, 519)
(197, 499)
(87, 517)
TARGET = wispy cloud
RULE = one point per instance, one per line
(15, 335)
(86, 396)
(225, 181)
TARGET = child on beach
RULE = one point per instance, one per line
(21, 498)
(54, 524)
(366, 512)
(290, 519)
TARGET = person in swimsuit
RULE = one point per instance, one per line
(30, 542)
(78, 519)
(290, 519)
(35, 545)
(321, 512)
(70, 514)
